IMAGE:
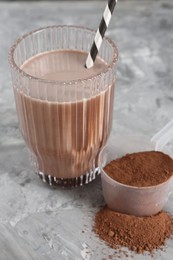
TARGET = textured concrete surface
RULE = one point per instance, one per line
(37, 222)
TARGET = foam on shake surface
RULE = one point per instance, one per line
(62, 66)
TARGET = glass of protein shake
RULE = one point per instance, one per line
(64, 109)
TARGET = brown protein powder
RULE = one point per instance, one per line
(141, 169)
(139, 234)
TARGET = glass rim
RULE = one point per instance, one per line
(30, 77)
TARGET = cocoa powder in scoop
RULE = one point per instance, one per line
(141, 169)
(136, 233)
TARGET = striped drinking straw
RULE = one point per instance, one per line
(100, 33)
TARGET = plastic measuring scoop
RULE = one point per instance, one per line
(138, 201)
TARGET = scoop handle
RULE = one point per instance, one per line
(164, 136)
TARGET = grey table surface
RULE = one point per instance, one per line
(37, 222)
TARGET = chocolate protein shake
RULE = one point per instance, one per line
(64, 129)
(64, 109)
